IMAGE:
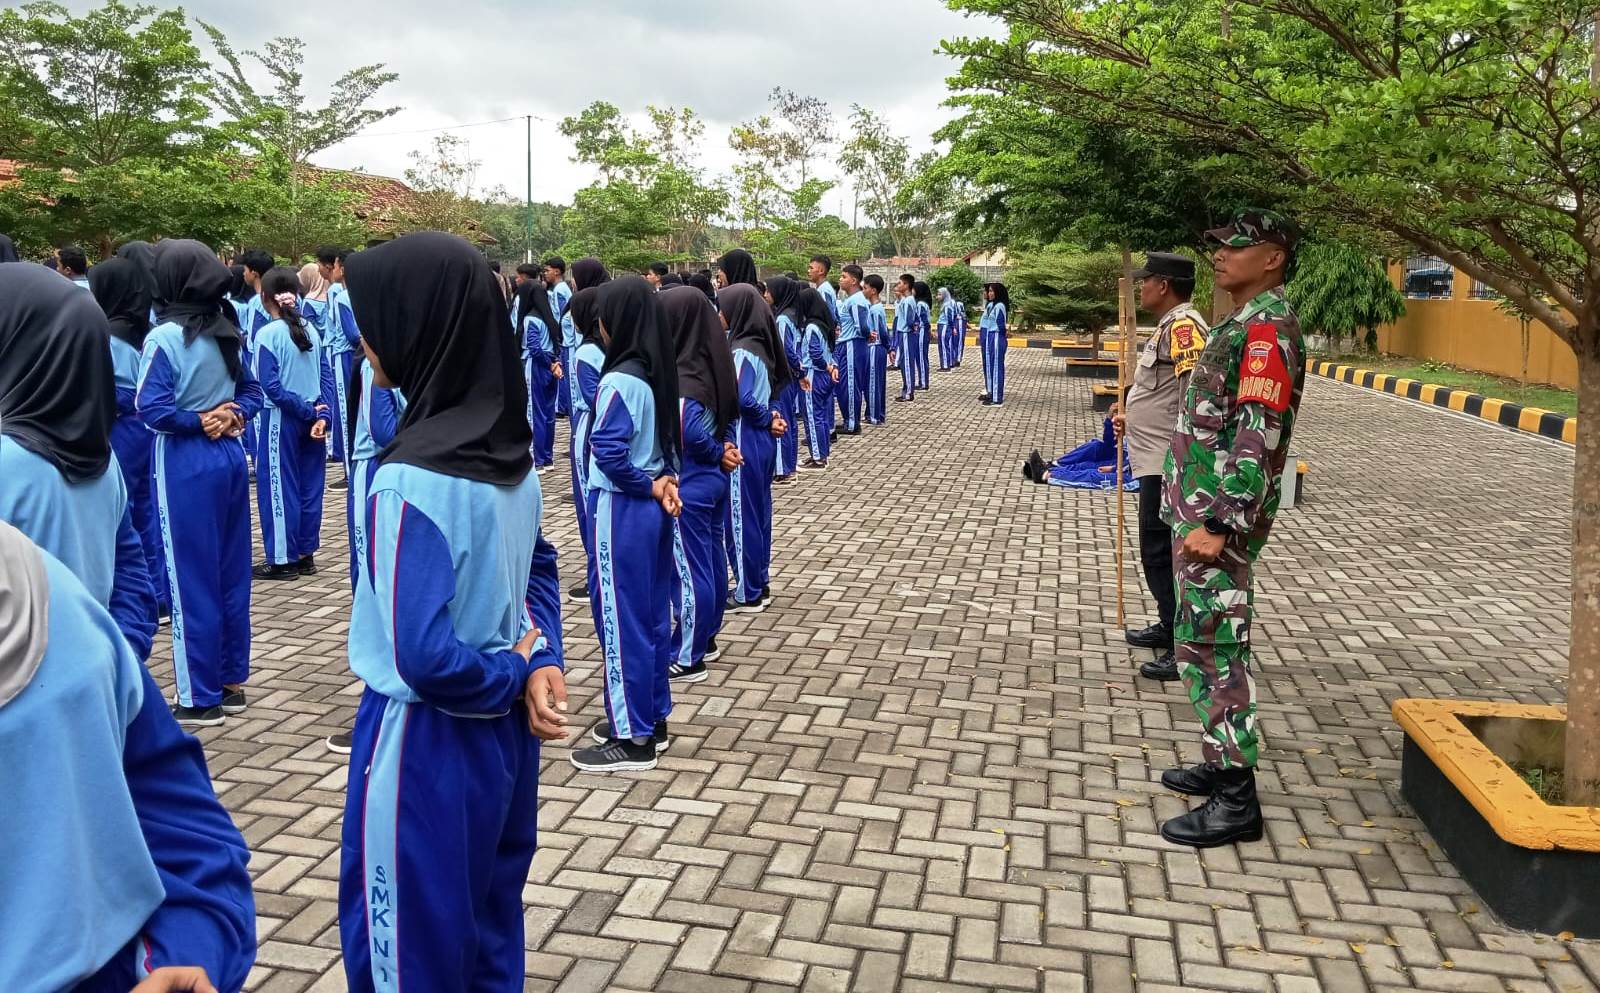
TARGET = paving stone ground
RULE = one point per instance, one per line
(930, 766)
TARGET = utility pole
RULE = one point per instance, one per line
(528, 221)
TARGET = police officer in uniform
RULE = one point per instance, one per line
(1221, 494)
(1147, 418)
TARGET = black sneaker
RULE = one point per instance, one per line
(735, 607)
(615, 756)
(198, 717)
(713, 651)
(306, 566)
(987, 402)
(276, 573)
(341, 743)
(339, 484)
(985, 397)
(579, 593)
(679, 673)
(814, 464)
(233, 702)
(784, 479)
(601, 733)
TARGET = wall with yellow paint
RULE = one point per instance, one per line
(1476, 334)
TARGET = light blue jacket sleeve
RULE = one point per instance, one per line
(272, 385)
(611, 443)
(156, 400)
(588, 383)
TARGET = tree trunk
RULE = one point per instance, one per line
(1583, 662)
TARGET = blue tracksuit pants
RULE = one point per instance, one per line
(578, 454)
(908, 375)
(133, 443)
(749, 521)
(291, 467)
(877, 383)
(700, 571)
(851, 357)
(439, 831)
(543, 394)
(202, 493)
(361, 473)
(630, 596)
(994, 364)
(817, 406)
(568, 382)
(919, 358)
(338, 445)
(787, 457)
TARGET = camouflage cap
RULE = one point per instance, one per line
(1253, 226)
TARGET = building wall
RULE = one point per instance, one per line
(1476, 334)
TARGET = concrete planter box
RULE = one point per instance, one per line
(1537, 866)
(1092, 368)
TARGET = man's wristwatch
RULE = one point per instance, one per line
(1216, 527)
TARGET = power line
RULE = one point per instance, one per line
(451, 127)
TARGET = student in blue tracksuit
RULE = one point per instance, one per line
(948, 327)
(817, 271)
(122, 289)
(992, 335)
(821, 377)
(542, 369)
(240, 293)
(762, 373)
(196, 393)
(905, 315)
(559, 295)
(314, 300)
(60, 483)
(633, 497)
(122, 871)
(708, 406)
(783, 294)
(851, 348)
(441, 807)
(961, 331)
(921, 332)
(374, 418)
(291, 448)
(877, 351)
(342, 345)
(588, 359)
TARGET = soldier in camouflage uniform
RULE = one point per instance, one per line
(1221, 494)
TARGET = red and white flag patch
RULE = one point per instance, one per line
(1263, 377)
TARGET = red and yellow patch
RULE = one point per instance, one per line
(1263, 377)
(1183, 335)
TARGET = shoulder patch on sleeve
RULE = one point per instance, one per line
(1183, 334)
(1263, 376)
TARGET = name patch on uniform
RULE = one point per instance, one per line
(1263, 377)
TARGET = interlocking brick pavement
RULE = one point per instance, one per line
(930, 766)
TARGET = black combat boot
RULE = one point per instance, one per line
(1164, 669)
(1157, 636)
(1197, 781)
(1231, 814)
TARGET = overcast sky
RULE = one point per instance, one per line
(463, 61)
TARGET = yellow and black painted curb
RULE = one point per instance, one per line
(1014, 342)
(1533, 420)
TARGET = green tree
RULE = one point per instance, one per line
(106, 114)
(1342, 291)
(505, 217)
(787, 242)
(776, 152)
(292, 217)
(1065, 285)
(1464, 129)
(441, 179)
(878, 160)
(961, 281)
(281, 118)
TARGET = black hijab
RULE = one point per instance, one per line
(122, 291)
(671, 279)
(814, 310)
(433, 314)
(192, 287)
(57, 395)
(738, 266)
(702, 282)
(751, 327)
(142, 255)
(705, 363)
(641, 346)
(589, 272)
(785, 294)
(533, 297)
(8, 251)
(584, 309)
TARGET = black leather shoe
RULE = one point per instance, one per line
(1037, 468)
(1157, 635)
(1163, 670)
(1230, 815)
(1199, 780)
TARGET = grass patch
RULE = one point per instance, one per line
(1441, 374)
(1550, 784)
